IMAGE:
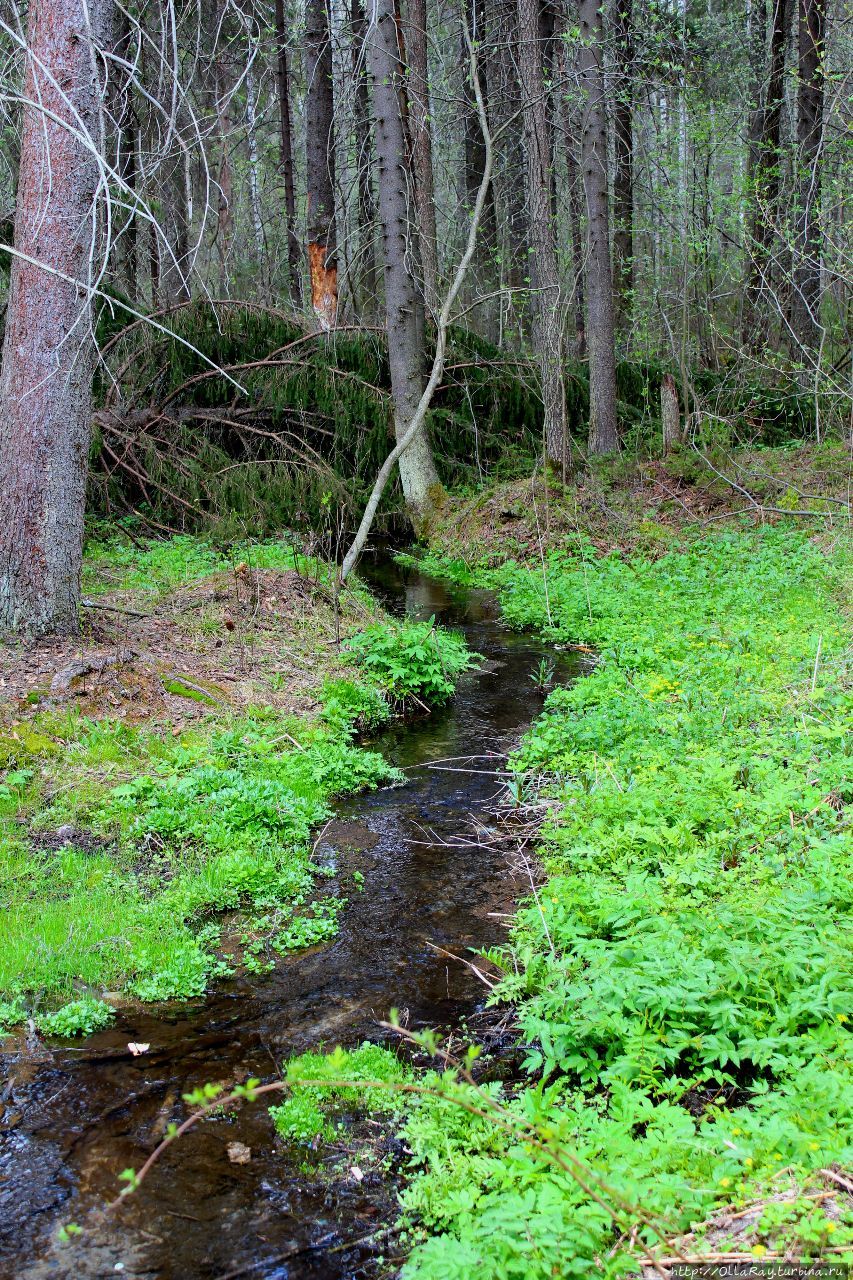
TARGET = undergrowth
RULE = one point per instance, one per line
(682, 979)
(122, 846)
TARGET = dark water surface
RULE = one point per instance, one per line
(74, 1118)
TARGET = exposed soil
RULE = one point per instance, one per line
(236, 639)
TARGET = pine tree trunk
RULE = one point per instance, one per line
(294, 255)
(599, 279)
(623, 171)
(805, 306)
(320, 144)
(404, 306)
(420, 126)
(548, 313)
(48, 352)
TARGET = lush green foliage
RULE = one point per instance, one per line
(162, 832)
(683, 979)
(412, 660)
(304, 1114)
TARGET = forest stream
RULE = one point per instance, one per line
(75, 1117)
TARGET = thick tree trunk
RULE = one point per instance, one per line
(420, 127)
(509, 180)
(805, 305)
(48, 352)
(320, 143)
(548, 323)
(599, 279)
(404, 307)
(623, 171)
(366, 275)
(286, 167)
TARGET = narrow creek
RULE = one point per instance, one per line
(75, 1117)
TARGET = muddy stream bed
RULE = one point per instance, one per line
(73, 1117)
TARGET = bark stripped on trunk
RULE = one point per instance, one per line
(294, 256)
(404, 306)
(548, 313)
(599, 280)
(805, 304)
(48, 352)
(320, 143)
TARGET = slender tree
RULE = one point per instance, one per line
(623, 165)
(599, 280)
(420, 125)
(548, 312)
(320, 152)
(805, 303)
(404, 304)
(48, 352)
(286, 166)
(365, 277)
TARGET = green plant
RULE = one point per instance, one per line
(412, 661)
(542, 674)
(77, 1018)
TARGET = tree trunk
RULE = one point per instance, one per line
(294, 256)
(764, 195)
(254, 158)
(404, 307)
(670, 413)
(805, 307)
(366, 274)
(320, 144)
(509, 181)
(623, 171)
(48, 352)
(599, 279)
(548, 312)
(474, 150)
(420, 126)
(575, 200)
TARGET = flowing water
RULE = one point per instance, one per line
(72, 1118)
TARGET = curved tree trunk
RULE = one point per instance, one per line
(320, 144)
(48, 351)
(404, 305)
(599, 280)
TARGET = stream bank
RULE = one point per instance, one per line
(85, 1113)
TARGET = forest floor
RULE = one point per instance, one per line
(164, 777)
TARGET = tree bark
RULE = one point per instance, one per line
(548, 306)
(286, 166)
(670, 413)
(575, 201)
(320, 151)
(764, 193)
(603, 437)
(805, 306)
(420, 127)
(367, 274)
(48, 351)
(623, 170)
(404, 305)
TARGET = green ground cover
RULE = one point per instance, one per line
(122, 845)
(682, 980)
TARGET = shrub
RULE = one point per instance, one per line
(412, 661)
